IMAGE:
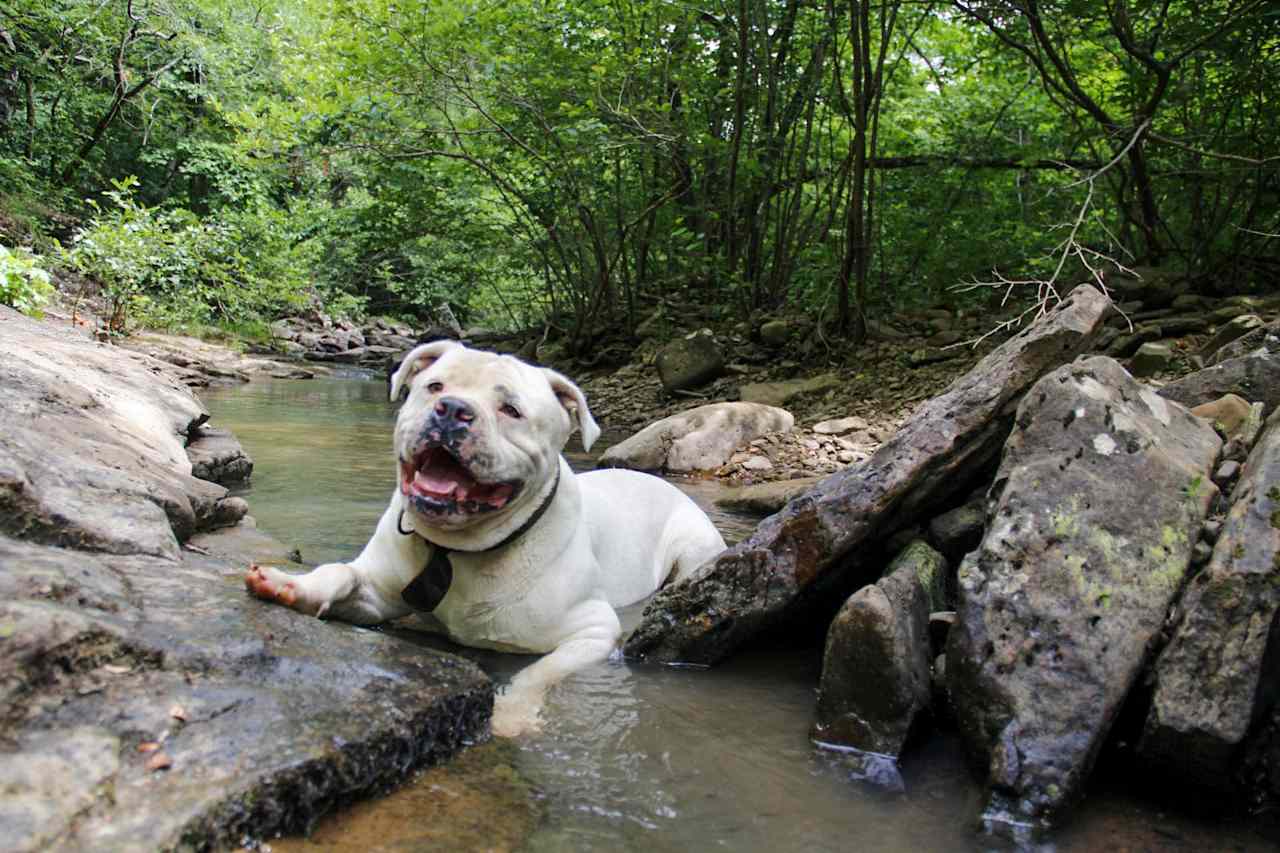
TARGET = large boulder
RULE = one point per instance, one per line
(813, 544)
(1098, 502)
(690, 361)
(875, 665)
(700, 439)
(147, 702)
(92, 445)
(1254, 376)
(1219, 673)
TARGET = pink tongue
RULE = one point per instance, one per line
(435, 485)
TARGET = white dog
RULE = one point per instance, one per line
(491, 532)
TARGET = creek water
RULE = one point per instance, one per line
(630, 757)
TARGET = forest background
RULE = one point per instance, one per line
(570, 165)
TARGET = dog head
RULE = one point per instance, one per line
(479, 436)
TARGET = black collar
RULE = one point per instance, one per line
(428, 589)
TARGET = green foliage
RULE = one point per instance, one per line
(577, 164)
(170, 268)
(23, 284)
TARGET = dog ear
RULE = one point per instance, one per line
(418, 360)
(575, 403)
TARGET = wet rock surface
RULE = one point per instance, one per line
(937, 453)
(146, 702)
(1097, 504)
(1220, 671)
(876, 663)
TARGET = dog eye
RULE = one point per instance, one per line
(435, 387)
(510, 411)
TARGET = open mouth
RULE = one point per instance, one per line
(438, 483)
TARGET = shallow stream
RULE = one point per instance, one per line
(630, 758)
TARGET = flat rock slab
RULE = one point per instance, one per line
(759, 583)
(1219, 673)
(700, 439)
(1099, 500)
(779, 393)
(765, 498)
(266, 718)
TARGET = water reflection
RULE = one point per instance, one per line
(631, 758)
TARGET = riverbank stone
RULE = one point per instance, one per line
(690, 361)
(1098, 501)
(1217, 676)
(875, 685)
(1254, 376)
(700, 439)
(147, 702)
(813, 544)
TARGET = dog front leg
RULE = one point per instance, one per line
(593, 638)
(364, 591)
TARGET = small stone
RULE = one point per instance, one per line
(758, 463)
(1227, 472)
(1201, 553)
(1151, 358)
(840, 426)
(846, 456)
(1210, 529)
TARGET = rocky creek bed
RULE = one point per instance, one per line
(1045, 554)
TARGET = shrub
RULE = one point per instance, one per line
(23, 284)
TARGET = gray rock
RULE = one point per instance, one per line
(815, 540)
(1214, 678)
(117, 638)
(958, 531)
(1127, 344)
(779, 393)
(286, 716)
(841, 426)
(875, 667)
(1232, 330)
(1226, 473)
(92, 445)
(336, 356)
(1267, 337)
(765, 498)
(1152, 358)
(775, 333)
(690, 361)
(700, 439)
(1101, 494)
(216, 456)
(1255, 377)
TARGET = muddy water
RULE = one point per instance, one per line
(631, 758)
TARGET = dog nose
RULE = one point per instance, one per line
(452, 412)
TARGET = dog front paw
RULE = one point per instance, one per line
(274, 585)
(516, 714)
